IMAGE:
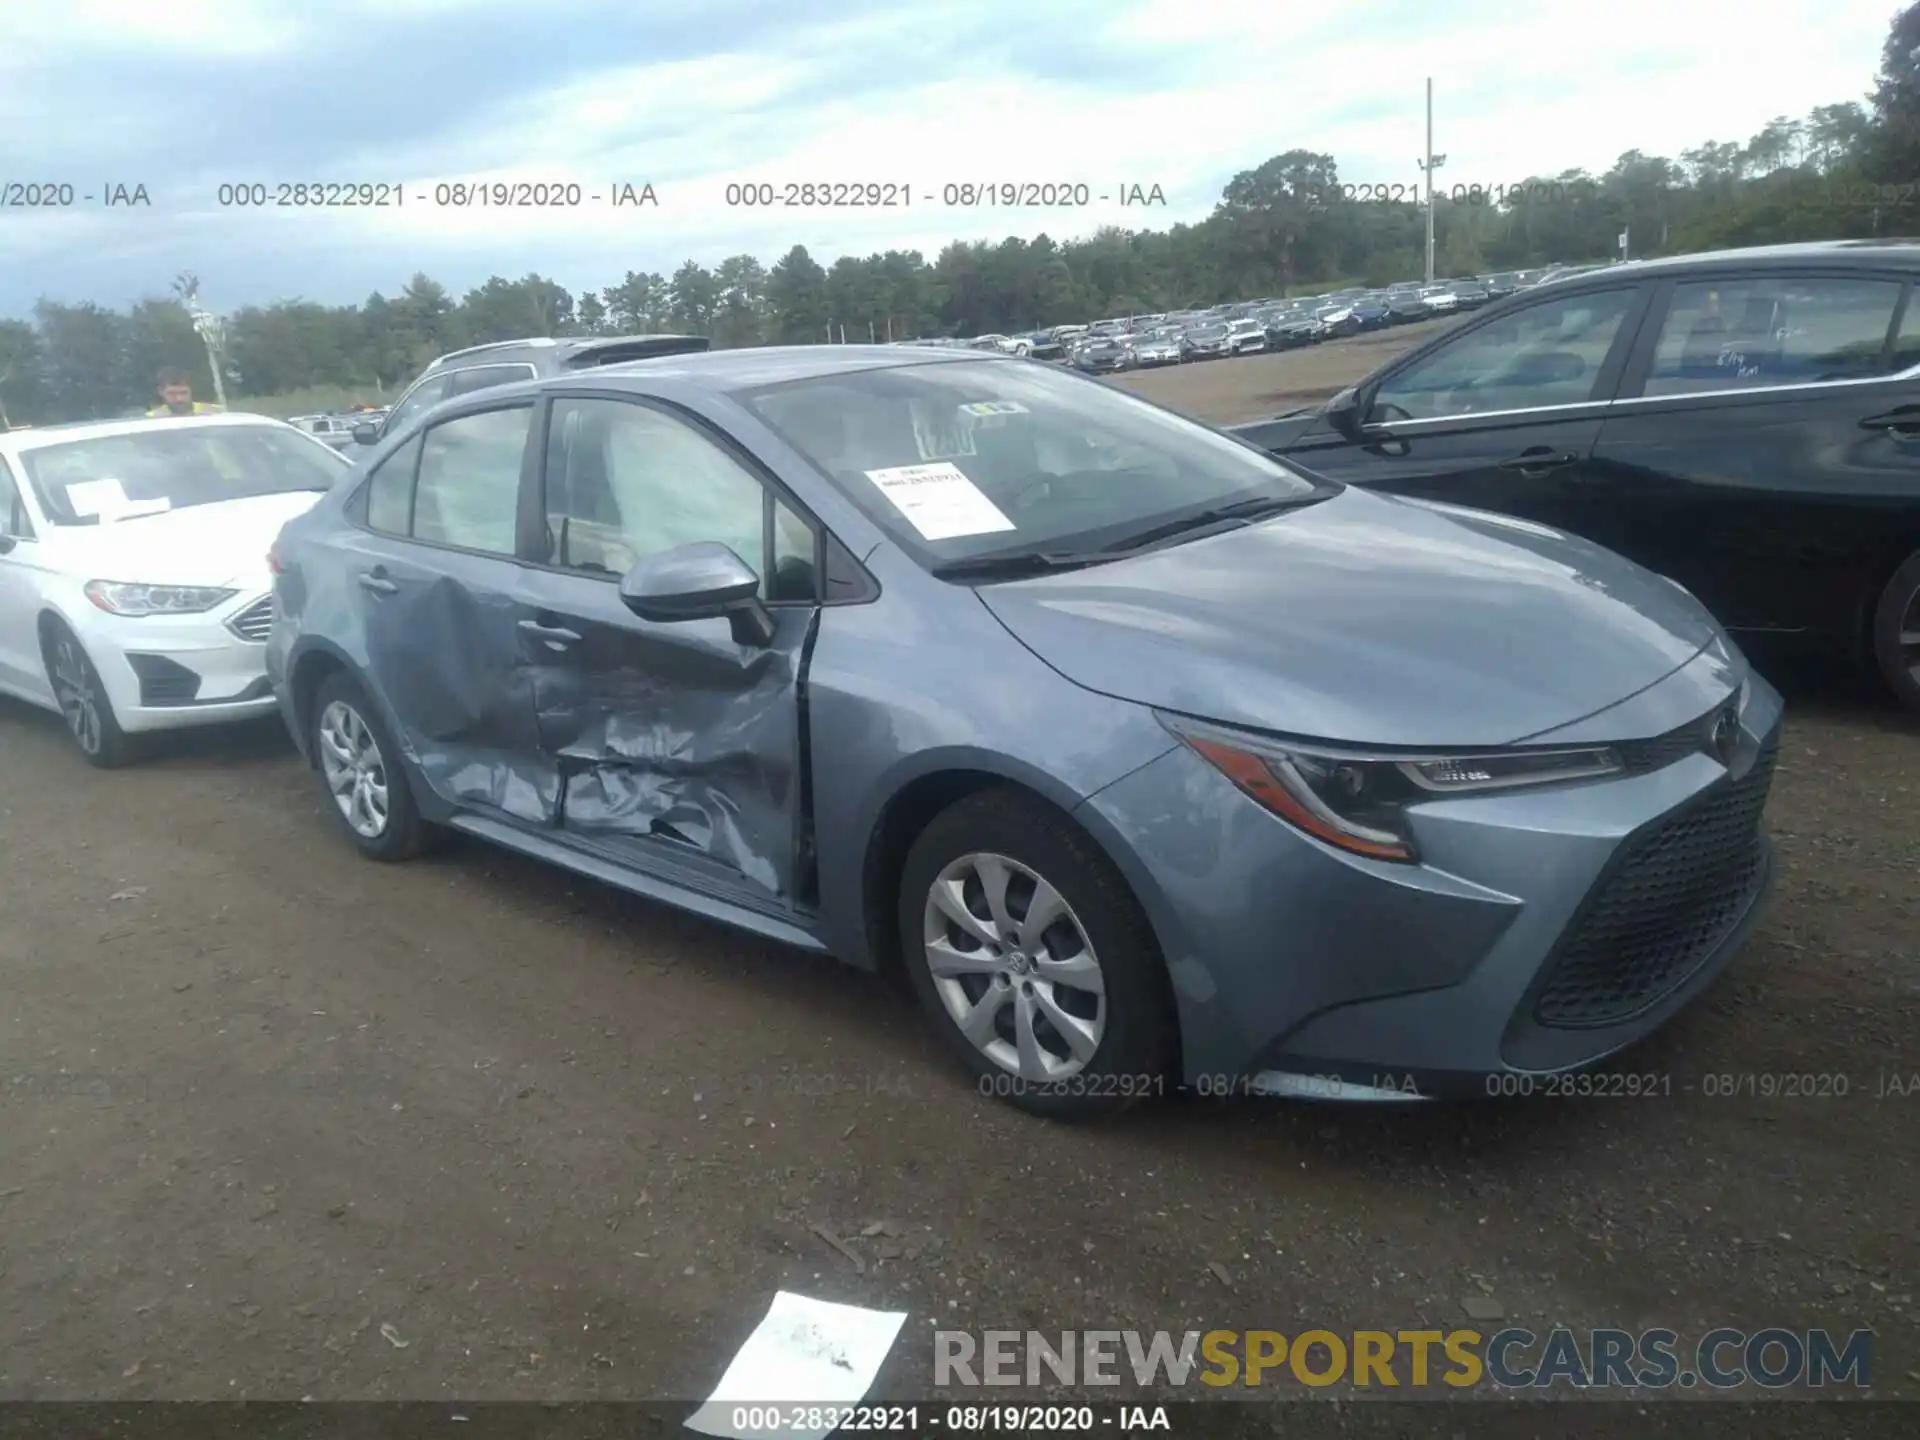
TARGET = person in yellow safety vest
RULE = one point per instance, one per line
(176, 397)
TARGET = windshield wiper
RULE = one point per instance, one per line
(1021, 562)
(1243, 510)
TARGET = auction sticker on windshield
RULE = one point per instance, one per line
(96, 497)
(939, 501)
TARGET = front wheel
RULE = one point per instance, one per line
(1033, 961)
(84, 703)
(360, 765)
(1896, 632)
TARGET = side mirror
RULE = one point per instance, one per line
(366, 433)
(1345, 414)
(7, 542)
(699, 582)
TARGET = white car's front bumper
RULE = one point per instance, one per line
(169, 672)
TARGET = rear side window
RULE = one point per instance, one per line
(467, 492)
(1772, 330)
(390, 490)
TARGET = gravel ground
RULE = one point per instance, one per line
(276, 1122)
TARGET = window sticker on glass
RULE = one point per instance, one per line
(938, 436)
(97, 497)
(994, 407)
(939, 501)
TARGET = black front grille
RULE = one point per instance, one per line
(1692, 738)
(1667, 901)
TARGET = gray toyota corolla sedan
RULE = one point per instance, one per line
(1150, 760)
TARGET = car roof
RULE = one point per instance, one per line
(753, 367)
(559, 349)
(1878, 254)
(42, 435)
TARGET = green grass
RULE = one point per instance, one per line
(313, 401)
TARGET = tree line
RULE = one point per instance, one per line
(1285, 227)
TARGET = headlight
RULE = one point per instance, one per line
(118, 598)
(1358, 801)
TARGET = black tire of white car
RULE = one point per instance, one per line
(1131, 1060)
(1898, 610)
(405, 834)
(110, 747)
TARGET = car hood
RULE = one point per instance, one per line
(218, 544)
(1366, 619)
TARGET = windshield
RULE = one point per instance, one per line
(146, 472)
(985, 458)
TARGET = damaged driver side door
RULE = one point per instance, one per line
(677, 745)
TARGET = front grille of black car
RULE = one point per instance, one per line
(255, 622)
(1667, 902)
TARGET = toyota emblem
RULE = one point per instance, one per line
(1726, 731)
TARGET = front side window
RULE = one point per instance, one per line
(390, 490)
(1547, 354)
(975, 458)
(1768, 330)
(626, 481)
(468, 491)
(145, 472)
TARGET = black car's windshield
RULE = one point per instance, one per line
(965, 460)
(160, 468)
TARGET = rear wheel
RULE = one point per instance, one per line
(359, 763)
(84, 703)
(1033, 961)
(1896, 632)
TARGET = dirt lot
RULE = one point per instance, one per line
(276, 1122)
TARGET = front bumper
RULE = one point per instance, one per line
(173, 672)
(1541, 932)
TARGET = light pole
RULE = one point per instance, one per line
(1427, 166)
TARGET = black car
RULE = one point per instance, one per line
(481, 367)
(1372, 314)
(1293, 331)
(1471, 295)
(1746, 423)
(1210, 341)
(1408, 306)
(1103, 356)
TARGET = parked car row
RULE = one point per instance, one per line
(666, 623)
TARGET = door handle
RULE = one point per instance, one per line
(377, 584)
(1538, 461)
(1903, 422)
(552, 634)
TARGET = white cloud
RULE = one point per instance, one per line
(1518, 93)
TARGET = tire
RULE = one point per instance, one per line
(352, 746)
(84, 703)
(1125, 1023)
(1898, 615)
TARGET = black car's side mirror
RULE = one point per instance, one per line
(367, 432)
(1346, 414)
(699, 582)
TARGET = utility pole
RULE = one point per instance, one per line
(1427, 167)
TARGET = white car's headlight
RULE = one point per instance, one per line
(1358, 801)
(126, 598)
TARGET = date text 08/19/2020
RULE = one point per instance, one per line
(965, 194)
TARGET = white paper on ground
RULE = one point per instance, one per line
(939, 500)
(806, 1352)
(97, 497)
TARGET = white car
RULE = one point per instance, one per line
(134, 590)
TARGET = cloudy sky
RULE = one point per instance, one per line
(182, 96)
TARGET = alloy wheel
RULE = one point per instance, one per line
(1014, 968)
(355, 770)
(79, 701)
